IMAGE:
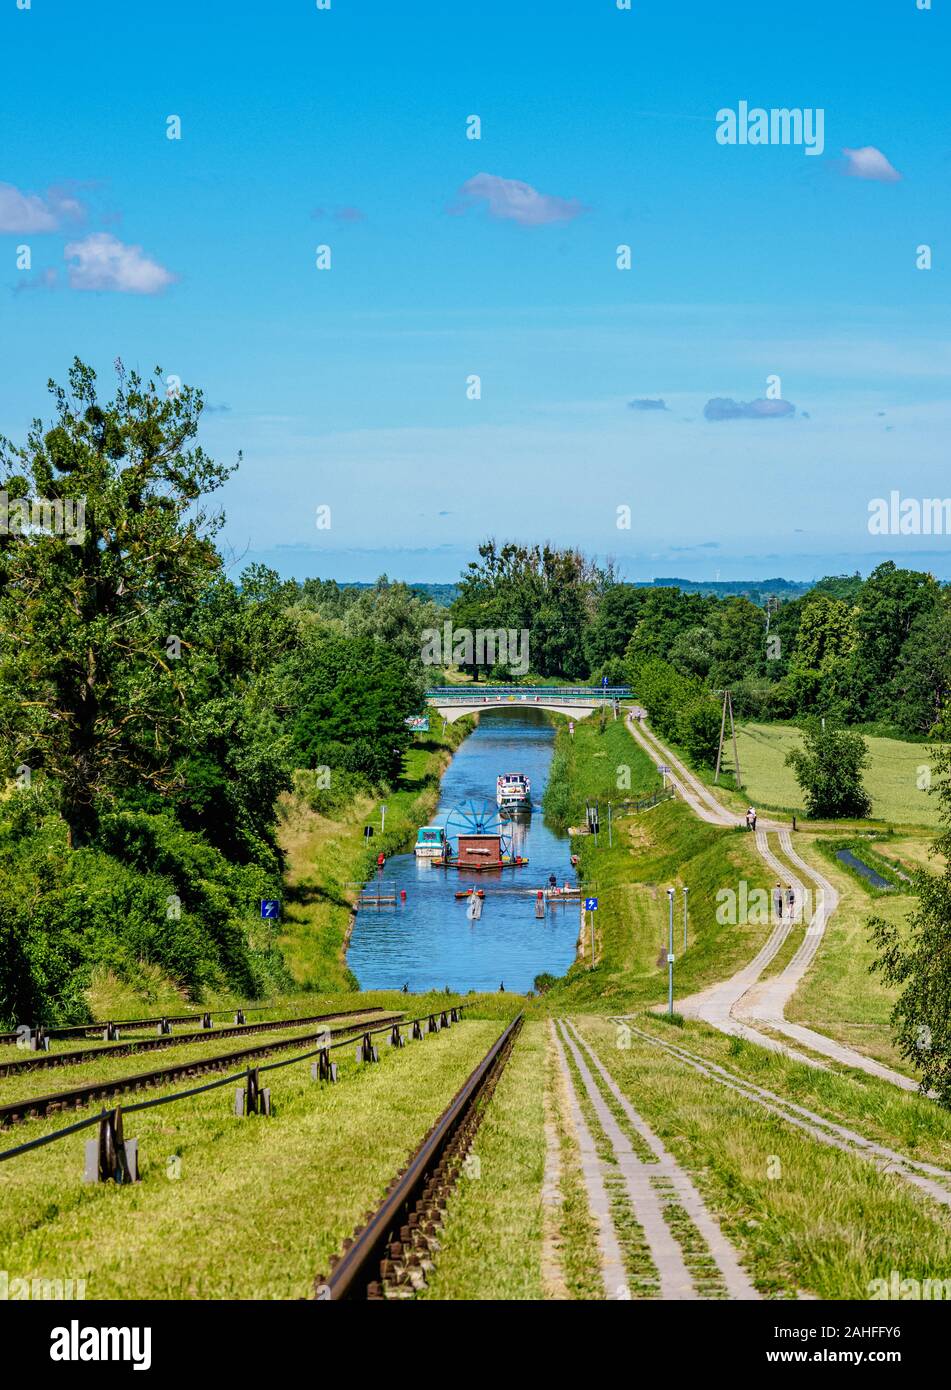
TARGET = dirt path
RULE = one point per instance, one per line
(927, 1177)
(738, 1004)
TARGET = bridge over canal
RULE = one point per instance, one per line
(454, 702)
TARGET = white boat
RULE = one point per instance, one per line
(513, 793)
(430, 842)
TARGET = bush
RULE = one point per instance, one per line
(148, 893)
(829, 770)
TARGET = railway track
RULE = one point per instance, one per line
(41, 1061)
(89, 1030)
(929, 1178)
(74, 1098)
(389, 1255)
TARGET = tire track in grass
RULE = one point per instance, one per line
(677, 1224)
(614, 1273)
(927, 1177)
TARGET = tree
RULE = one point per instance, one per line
(614, 621)
(698, 730)
(92, 694)
(820, 668)
(692, 651)
(892, 600)
(829, 770)
(918, 957)
(353, 696)
(920, 690)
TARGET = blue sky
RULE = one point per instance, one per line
(347, 387)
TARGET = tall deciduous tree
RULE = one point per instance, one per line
(829, 770)
(918, 957)
(94, 689)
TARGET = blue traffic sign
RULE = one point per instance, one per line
(270, 907)
(604, 680)
(590, 904)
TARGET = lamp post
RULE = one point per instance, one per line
(670, 953)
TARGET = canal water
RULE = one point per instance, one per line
(428, 941)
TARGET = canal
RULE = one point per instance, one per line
(428, 941)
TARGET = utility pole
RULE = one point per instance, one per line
(610, 839)
(686, 891)
(670, 954)
(728, 707)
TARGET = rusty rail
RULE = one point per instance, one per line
(388, 1256)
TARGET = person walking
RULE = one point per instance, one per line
(778, 901)
(752, 818)
(790, 901)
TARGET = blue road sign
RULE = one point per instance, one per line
(270, 907)
(604, 680)
(590, 904)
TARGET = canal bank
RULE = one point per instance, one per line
(327, 857)
(427, 940)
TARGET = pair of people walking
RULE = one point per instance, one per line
(751, 819)
(789, 898)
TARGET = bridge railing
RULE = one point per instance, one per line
(477, 693)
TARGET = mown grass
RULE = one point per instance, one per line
(41, 1082)
(326, 856)
(492, 1237)
(803, 1216)
(663, 847)
(840, 995)
(642, 1280)
(877, 1109)
(892, 778)
(598, 767)
(228, 1207)
(576, 1240)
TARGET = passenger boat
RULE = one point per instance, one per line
(431, 842)
(513, 793)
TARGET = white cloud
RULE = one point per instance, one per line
(514, 201)
(102, 262)
(870, 163)
(30, 212)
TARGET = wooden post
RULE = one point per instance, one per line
(716, 776)
(736, 756)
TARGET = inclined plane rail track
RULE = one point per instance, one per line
(91, 1030)
(389, 1255)
(34, 1107)
(40, 1061)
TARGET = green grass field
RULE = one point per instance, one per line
(891, 779)
(230, 1207)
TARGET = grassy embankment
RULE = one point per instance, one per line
(839, 996)
(804, 1216)
(652, 850)
(326, 856)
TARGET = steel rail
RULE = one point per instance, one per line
(358, 1273)
(35, 1107)
(352, 1031)
(40, 1061)
(66, 1030)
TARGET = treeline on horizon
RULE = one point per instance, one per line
(870, 652)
